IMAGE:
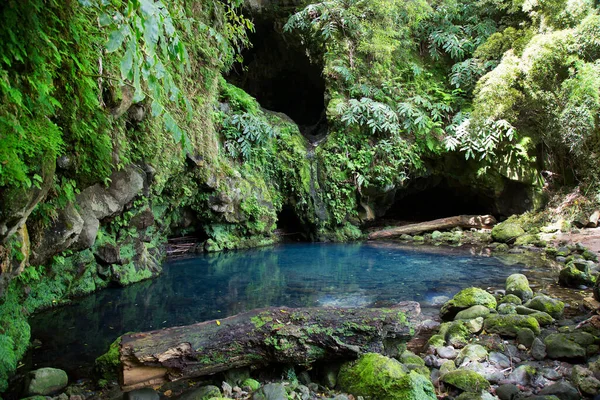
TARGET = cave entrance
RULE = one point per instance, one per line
(279, 74)
(290, 227)
(428, 199)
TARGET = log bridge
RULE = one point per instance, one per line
(257, 338)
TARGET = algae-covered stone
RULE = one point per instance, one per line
(466, 380)
(507, 308)
(528, 239)
(518, 285)
(46, 381)
(458, 334)
(467, 298)
(542, 318)
(507, 232)
(472, 352)
(202, 393)
(547, 304)
(380, 377)
(408, 357)
(108, 364)
(253, 384)
(568, 345)
(511, 299)
(436, 341)
(473, 312)
(525, 337)
(509, 325)
(570, 276)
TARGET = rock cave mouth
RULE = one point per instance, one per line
(279, 74)
(290, 227)
(438, 200)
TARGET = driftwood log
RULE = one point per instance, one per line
(462, 221)
(253, 339)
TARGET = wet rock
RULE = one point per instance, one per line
(550, 373)
(511, 299)
(507, 232)
(448, 352)
(507, 392)
(142, 394)
(518, 285)
(202, 393)
(585, 380)
(538, 349)
(521, 375)
(468, 381)
(304, 392)
(522, 310)
(377, 376)
(433, 361)
(472, 352)
(563, 390)
(465, 299)
(500, 360)
(542, 318)
(447, 366)
(45, 381)
(509, 325)
(473, 312)
(408, 357)
(568, 345)
(570, 276)
(547, 304)
(271, 391)
(525, 337)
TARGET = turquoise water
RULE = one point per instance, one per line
(295, 275)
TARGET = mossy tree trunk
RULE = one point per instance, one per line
(462, 221)
(257, 338)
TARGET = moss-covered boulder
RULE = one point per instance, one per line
(518, 285)
(547, 304)
(568, 345)
(466, 380)
(253, 384)
(542, 318)
(46, 381)
(473, 312)
(464, 299)
(507, 232)
(509, 325)
(455, 333)
(379, 377)
(570, 276)
(108, 364)
(511, 299)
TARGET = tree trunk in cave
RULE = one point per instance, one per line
(257, 338)
(462, 221)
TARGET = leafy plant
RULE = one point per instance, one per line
(243, 132)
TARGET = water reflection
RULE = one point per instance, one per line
(295, 275)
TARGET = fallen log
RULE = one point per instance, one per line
(462, 221)
(257, 338)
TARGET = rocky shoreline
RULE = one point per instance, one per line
(514, 343)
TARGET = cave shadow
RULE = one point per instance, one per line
(278, 72)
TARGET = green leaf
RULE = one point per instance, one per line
(151, 31)
(127, 61)
(115, 40)
(157, 108)
(105, 20)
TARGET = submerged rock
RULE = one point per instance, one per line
(465, 299)
(46, 381)
(380, 377)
